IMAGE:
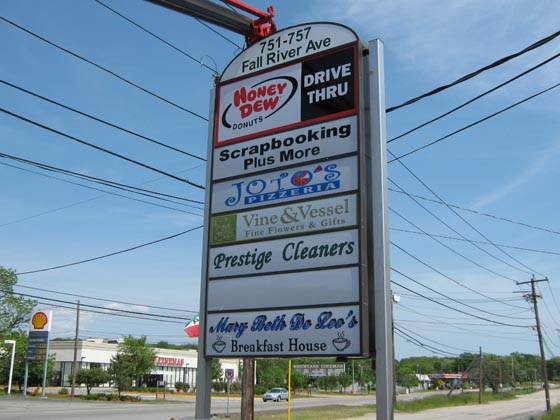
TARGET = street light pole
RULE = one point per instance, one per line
(13, 343)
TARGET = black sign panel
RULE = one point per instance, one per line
(328, 85)
(37, 345)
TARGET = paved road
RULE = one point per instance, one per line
(18, 408)
(177, 407)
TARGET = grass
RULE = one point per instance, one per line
(438, 401)
(342, 412)
(331, 412)
(553, 415)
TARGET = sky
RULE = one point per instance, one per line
(455, 266)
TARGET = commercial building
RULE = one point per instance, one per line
(171, 365)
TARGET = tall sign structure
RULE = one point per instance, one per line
(287, 246)
(38, 345)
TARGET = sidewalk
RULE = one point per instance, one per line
(522, 408)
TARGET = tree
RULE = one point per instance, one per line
(15, 311)
(92, 377)
(122, 371)
(216, 369)
(135, 358)
(299, 380)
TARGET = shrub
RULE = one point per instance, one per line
(63, 391)
(219, 386)
(181, 386)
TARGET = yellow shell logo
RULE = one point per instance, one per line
(39, 320)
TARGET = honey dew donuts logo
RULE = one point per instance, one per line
(39, 320)
(253, 105)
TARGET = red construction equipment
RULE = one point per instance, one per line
(252, 29)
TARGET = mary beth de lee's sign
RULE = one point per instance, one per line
(286, 249)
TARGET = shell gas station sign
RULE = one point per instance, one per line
(286, 254)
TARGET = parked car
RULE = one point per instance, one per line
(275, 394)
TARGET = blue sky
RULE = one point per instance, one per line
(505, 167)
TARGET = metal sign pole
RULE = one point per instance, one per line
(45, 364)
(204, 365)
(25, 375)
(379, 234)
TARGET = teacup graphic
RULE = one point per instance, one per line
(341, 343)
(219, 345)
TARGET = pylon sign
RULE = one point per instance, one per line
(38, 340)
(286, 257)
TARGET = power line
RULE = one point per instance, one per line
(457, 283)
(102, 181)
(474, 123)
(475, 73)
(102, 149)
(554, 57)
(455, 230)
(106, 70)
(401, 328)
(110, 313)
(531, 271)
(109, 255)
(219, 34)
(503, 219)
(451, 249)
(478, 242)
(103, 299)
(452, 299)
(154, 35)
(88, 187)
(452, 308)
(439, 320)
(125, 130)
(124, 311)
(424, 346)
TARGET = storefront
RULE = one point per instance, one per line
(172, 366)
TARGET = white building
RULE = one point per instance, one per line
(171, 365)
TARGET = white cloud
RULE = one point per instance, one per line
(438, 38)
(532, 170)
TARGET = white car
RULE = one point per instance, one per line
(275, 394)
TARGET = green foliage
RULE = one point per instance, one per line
(553, 369)
(299, 381)
(406, 377)
(63, 391)
(135, 358)
(437, 401)
(35, 374)
(122, 371)
(181, 386)
(216, 369)
(170, 346)
(15, 311)
(272, 373)
(92, 377)
(111, 397)
(235, 388)
(553, 415)
(219, 386)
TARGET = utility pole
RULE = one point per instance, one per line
(75, 349)
(532, 297)
(248, 386)
(480, 377)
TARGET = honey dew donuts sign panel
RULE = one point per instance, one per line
(313, 90)
(286, 253)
